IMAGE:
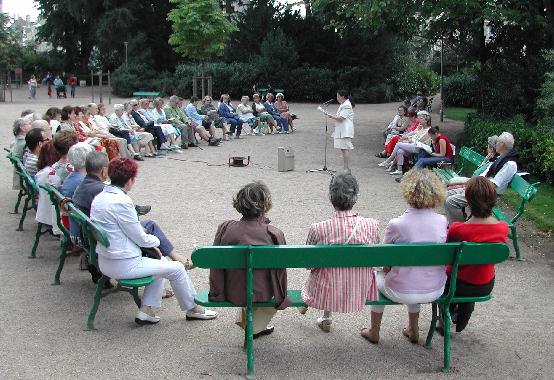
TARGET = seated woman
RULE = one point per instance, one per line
(259, 110)
(47, 157)
(53, 116)
(191, 111)
(342, 290)
(63, 140)
(145, 139)
(213, 117)
(114, 211)
(227, 111)
(245, 113)
(107, 141)
(253, 201)
(475, 280)
(158, 115)
(399, 122)
(442, 150)
(423, 191)
(408, 124)
(409, 142)
(283, 108)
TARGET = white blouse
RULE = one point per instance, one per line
(344, 128)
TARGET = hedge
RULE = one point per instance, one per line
(304, 83)
(461, 90)
(535, 143)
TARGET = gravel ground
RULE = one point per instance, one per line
(41, 326)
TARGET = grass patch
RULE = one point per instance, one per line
(540, 210)
(457, 113)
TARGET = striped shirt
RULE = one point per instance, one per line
(342, 290)
(30, 161)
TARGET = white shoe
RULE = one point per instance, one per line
(146, 319)
(383, 164)
(396, 172)
(390, 169)
(207, 314)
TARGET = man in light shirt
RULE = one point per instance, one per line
(500, 173)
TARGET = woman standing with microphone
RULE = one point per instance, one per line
(344, 127)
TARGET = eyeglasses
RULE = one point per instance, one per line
(43, 140)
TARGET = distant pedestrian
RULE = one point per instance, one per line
(32, 87)
(72, 82)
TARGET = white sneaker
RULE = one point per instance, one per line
(383, 164)
(396, 172)
(143, 318)
(206, 315)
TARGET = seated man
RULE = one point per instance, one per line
(281, 121)
(500, 173)
(200, 120)
(101, 126)
(180, 121)
(227, 112)
(34, 140)
(97, 172)
(148, 125)
(20, 128)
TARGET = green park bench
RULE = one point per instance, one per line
(289, 256)
(27, 189)
(58, 201)
(468, 158)
(93, 234)
(146, 94)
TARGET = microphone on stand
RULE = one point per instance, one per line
(329, 102)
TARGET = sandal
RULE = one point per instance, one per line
(412, 337)
(168, 293)
(381, 155)
(367, 336)
(189, 265)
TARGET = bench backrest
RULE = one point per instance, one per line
(56, 198)
(91, 232)
(306, 256)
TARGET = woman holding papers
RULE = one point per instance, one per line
(442, 150)
(344, 126)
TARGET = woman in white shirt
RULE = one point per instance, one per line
(245, 112)
(115, 212)
(344, 127)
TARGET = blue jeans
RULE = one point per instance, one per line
(152, 228)
(236, 123)
(281, 122)
(426, 161)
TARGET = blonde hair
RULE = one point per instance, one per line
(422, 188)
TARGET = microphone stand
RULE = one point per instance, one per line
(324, 169)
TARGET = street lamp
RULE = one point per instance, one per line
(442, 86)
(126, 43)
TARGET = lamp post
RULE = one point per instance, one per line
(126, 43)
(442, 87)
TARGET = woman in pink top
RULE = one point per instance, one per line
(341, 290)
(423, 190)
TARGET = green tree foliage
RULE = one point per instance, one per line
(78, 28)
(200, 29)
(545, 103)
(10, 49)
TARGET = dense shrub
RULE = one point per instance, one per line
(413, 79)
(535, 143)
(461, 90)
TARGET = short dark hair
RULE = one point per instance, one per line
(433, 130)
(343, 191)
(193, 99)
(64, 139)
(480, 194)
(51, 113)
(33, 138)
(121, 170)
(95, 161)
(253, 199)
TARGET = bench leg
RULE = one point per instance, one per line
(96, 301)
(16, 208)
(446, 326)
(63, 254)
(23, 214)
(136, 298)
(250, 343)
(37, 238)
(435, 317)
(516, 245)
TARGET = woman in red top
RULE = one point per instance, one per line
(475, 280)
(442, 150)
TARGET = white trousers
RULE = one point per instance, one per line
(168, 129)
(137, 267)
(411, 300)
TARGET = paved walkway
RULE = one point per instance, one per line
(41, 326)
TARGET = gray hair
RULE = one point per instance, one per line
(95, 161)
(42, 124)
(18, 125)
(343, 191)
(133, 102)
(245, 97)
(77, 154)
(118, 107)
(491, 141)
(507, 139)
(173, 98)
(253, 199)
